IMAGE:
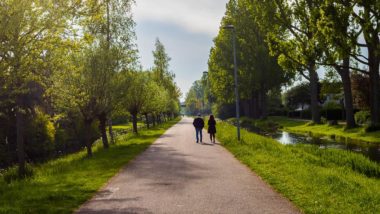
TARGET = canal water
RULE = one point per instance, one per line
(370, 150)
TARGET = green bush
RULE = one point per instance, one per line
(323, 120)
(246, 122)
(362, 117)
(39, 141)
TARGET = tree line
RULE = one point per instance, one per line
(68, 69)
(280, 42)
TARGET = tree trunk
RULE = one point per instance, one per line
(20, 143)
(134, 121)
(315, 111)
(103, 129)
(263, 104)
(375, 87)
(87, 136)
(154, 119)
(348, 103)
(110, 131)
(147, 120)
(256, 105)
(245, 107)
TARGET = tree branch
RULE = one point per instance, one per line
(341, 66)
(359, 60)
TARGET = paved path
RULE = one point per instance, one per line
(176, 175)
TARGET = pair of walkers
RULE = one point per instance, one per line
(199, 124)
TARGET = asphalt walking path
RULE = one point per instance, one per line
(177, 175)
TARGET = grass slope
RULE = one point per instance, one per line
(351, 135)
(128, 126)
(315, 180)
(62, 185)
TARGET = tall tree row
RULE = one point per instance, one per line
(304, 38)
(339, 34)
(66, 68)
(255, 65)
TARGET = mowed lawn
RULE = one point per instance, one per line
(62, 185)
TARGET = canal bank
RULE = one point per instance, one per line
(336, 132)
(316, 180)
(293, 131)
(369, 150)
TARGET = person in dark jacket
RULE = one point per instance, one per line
(198, 124)
(212, 128)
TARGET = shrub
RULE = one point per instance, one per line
(245, 122)
(362, 117)
(40, 132)
(333, 123)
(332, 114)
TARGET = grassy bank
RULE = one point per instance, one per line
(315, 180)
(62, 185)
(338, 132)
(128, 126)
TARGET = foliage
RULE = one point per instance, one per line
(224, 111)
(298, 96)
(331, 86)
(255, 65)
(161, 73)
(40, 133)
(362, 117)
(61, 76)
(291, 35)
(196, 100)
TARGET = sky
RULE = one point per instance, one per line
(185, 27)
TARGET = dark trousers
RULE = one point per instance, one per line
(198, 133)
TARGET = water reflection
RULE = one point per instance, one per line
(372, 151)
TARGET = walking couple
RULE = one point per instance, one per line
(199, 124)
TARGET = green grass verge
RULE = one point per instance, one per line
(62, 185)
(354, 135)
(315, 180)
(127, 126)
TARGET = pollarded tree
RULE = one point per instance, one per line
(137, 95)
(154, 98)
(110, 24)
(75, 90)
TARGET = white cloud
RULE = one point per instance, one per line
(196, 16)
